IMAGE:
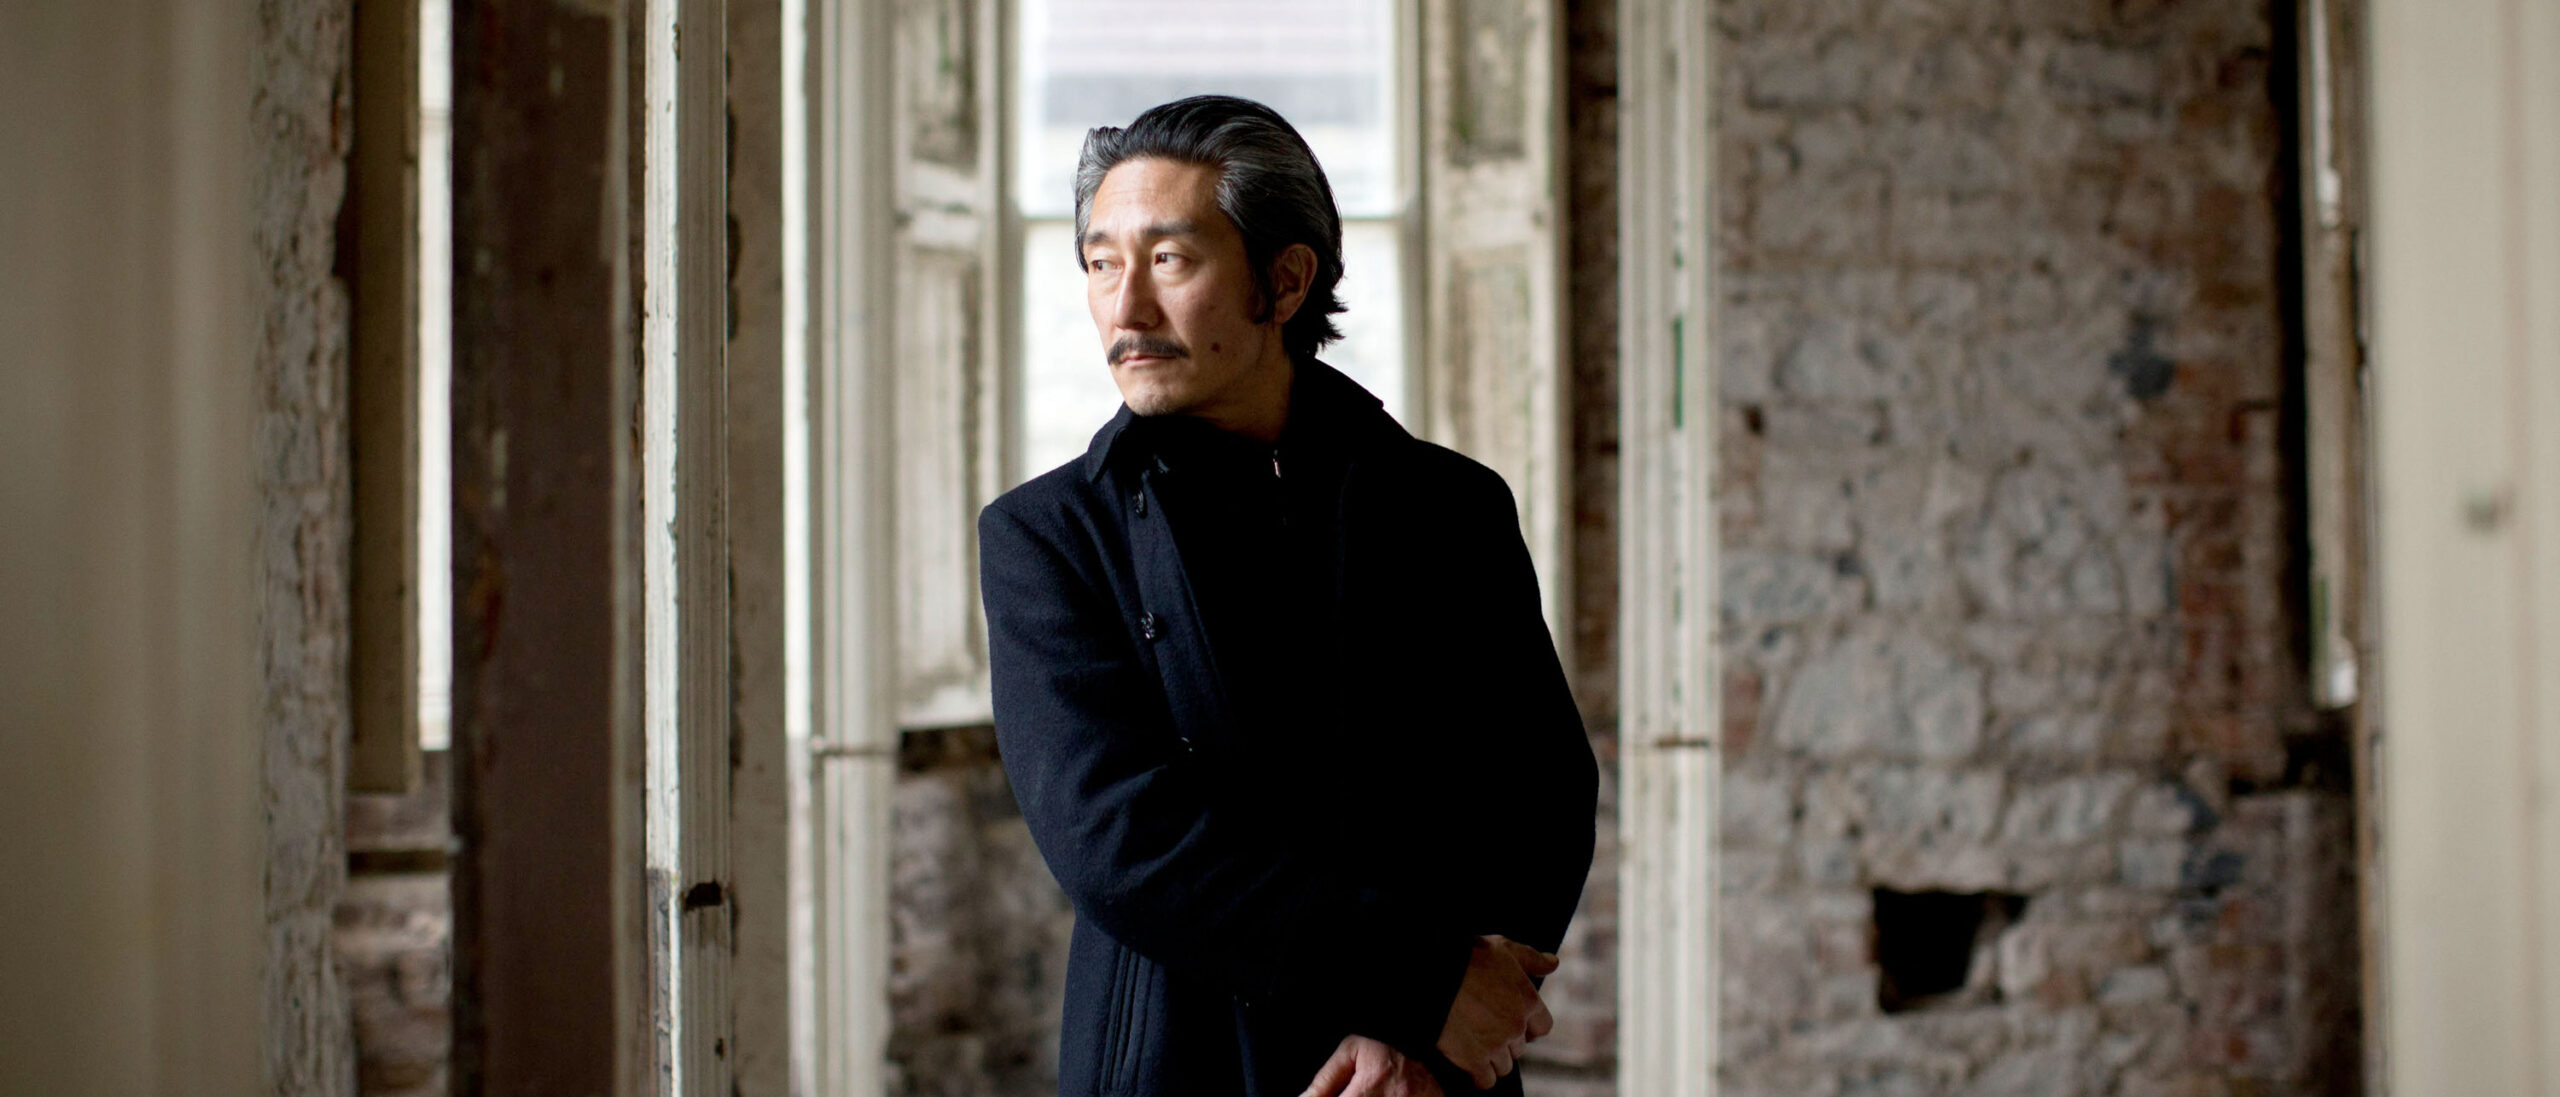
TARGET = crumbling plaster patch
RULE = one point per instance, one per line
(302, 135)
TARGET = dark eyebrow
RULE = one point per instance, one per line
(1159, 229)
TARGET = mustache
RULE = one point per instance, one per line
(1150, 345)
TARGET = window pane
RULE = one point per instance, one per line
(1067, 390)
(1326, 65)
(435, 375)
(1372, 348)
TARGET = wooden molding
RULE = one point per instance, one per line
(1491, 376)
(1667, 694)
(553, 955)
(854, 672)
(2464, 134)
(382, 389)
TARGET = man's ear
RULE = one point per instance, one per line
(1292, 271)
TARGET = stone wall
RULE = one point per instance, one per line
(356, 971)
(394, 939)
(302, 134)
(978, 929)
(2010, 702)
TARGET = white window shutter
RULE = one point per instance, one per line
(944, 380)
(1492, 379)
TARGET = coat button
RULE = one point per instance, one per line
(1139, 500)
(1147, 626)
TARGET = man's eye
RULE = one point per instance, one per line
(1167, 259)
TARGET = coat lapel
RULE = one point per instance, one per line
(1169, 626)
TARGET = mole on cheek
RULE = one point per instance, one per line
(1215, 348)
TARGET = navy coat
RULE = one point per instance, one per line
(1245, 900)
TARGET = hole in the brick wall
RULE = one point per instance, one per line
(1753, 420)
(2210, 872)
(2145, 371)
(1926, 941)
(2319, 759)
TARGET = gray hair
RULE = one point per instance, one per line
(1269, 186)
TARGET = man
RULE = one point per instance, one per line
(1271, 681)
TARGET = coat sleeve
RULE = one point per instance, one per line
(1530, 753)
(1136, 834)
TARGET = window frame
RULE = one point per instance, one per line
(383, 750)
(1669, 705)
(1405, 222)
(855, 229)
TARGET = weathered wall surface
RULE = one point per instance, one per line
(978, 929)
(394, 938)
(2005, 536)
(395, 945)
(302, 136)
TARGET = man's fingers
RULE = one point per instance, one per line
(1335, 1074)
(1518, 1047)
(1482, 1074)
(1541, 1022)
(1502, 1063)
(1540, 964)
(1414, 1081)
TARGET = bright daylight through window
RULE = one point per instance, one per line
(435, 374)
(1329, 66)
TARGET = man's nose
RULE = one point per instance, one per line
(1135, 304)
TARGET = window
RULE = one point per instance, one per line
(1329, 66)
(435, 374)
(951, 355)
(958, 329)
(400, 286)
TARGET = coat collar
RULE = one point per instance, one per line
(1320, 397)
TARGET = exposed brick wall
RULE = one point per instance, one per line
(395, 944)
(2003, 518)
(301, 143)
(978, 929)
(394, 939)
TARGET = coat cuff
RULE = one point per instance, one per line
(1405, 988)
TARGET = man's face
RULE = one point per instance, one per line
(1173, 297)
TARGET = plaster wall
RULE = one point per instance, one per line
(301, 123)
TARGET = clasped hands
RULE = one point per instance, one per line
(1496, 1014)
